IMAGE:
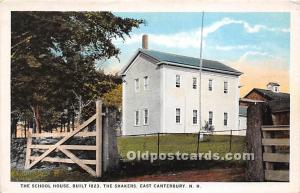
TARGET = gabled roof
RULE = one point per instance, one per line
(278, 102)
(185, 61)
(273, 84)
(270, 95)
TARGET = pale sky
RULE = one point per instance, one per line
(257, 44)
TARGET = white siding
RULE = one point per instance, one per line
(187, 99)
(143, 99)
(219, 102)
(242, 125)
(163, 97)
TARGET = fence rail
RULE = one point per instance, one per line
(181, 133)
(54, 135)
(271, 140)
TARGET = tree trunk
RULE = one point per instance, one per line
(33, 126)
(68, 125)
(80, 111)
(73, 119)
(257, 115)
(14, 127)
(25, 127)
(37, 115)
(61, 124)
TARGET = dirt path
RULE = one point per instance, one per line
(212, 175)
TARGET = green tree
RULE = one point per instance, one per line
(53, 57)
(113, 98)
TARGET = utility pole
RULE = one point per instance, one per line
(200, 74)
(200, 136)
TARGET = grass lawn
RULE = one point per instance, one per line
(184, 143)
(53, 175)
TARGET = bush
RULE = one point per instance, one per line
(207, 127)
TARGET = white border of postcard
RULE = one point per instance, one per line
(292, 6)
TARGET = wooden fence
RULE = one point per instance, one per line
(270, 144)
(275, 142)
(31, 161)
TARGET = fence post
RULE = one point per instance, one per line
(157, 144)
(230, 141)
(28, 151)
(254, 170)
(110, 154)
(198, 141)
(99, 138)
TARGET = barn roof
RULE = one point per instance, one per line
(270, 95)
(278, 101)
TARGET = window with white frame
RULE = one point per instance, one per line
(177, 80)
(210, 84)
(146, 116)
(146, 82)
(177, 115)
(194, 83)
(137, 84)
(210, 117)
(136, 120)
(195, 116)
(225, 119)
(225, 87)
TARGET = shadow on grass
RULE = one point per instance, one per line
(126, 169)
(140, 168)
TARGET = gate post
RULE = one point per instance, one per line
(110, 148)
(257, 115)
(99, 138)
(255, 170)
(230, 140)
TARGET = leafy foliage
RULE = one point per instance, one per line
(114, 97)
(53, 56)
(208, 127)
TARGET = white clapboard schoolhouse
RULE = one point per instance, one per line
(161, 94)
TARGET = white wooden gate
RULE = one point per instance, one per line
(60, 146)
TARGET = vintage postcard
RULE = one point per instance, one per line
(108, 97)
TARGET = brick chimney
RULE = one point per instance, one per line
(273, 86)
(145, 41)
